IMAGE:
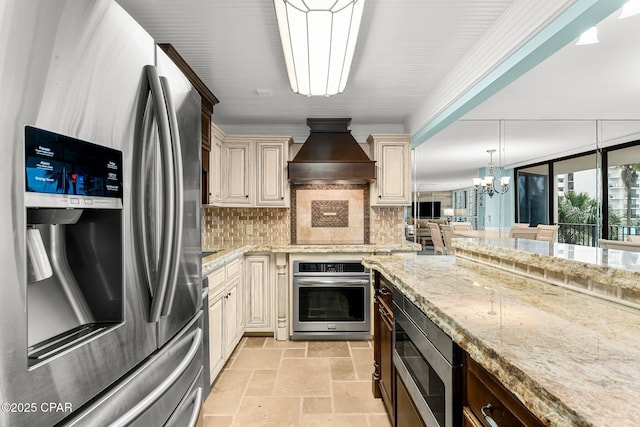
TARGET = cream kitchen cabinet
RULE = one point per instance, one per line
(253, 171)
(260, 294)
(272, 184)
(237, 164)
(392, 154)
(226, 315)
(215, 167)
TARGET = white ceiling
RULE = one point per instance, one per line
(549, 112)
(404, 50)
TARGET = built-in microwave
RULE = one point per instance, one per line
(429, 364)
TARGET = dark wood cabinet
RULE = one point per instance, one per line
(407, 414)
(384, 373)
(484, 393)
(208, 101)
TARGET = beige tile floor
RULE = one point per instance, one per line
(296, 383)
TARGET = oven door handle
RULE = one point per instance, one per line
(334, 282)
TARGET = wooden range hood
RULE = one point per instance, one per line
(331, 154)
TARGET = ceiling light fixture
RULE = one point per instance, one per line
(487, 185)
(588, 37)
(318, 40)
(630, 8)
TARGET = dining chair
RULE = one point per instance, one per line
(548, 233)
(620, 245)
(521, 230)
(461, 226)
(436, 238)
(447, 233)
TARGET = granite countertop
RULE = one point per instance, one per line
(572, 359)
(223, 255)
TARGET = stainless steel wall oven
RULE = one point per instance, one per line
(429, 364)
(331, 300)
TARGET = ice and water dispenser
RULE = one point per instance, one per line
(74, 240)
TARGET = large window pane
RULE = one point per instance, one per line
(533, 195)
(577, 195)
(623, 192)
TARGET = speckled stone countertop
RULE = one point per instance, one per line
(572, 359)
(226, 254)
(607, 273)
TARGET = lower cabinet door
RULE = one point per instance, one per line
(216, 334)
(386, 357)
(259, 295)
(407, 414)
(231, 316)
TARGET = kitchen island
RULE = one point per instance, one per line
(570, 357)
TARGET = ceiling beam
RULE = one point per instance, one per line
(561, 30)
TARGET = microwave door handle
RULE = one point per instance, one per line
(166, 247)
(178, 183)
(132, 414)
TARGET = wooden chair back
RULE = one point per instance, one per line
(548, 233)
(620, 245)
(461, 226)
(436, 238)
(447, 233)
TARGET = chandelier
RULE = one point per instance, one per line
(318, 41)
(487, 185)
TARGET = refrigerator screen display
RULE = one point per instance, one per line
(59, 164)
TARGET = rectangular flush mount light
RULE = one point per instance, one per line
(318, 40)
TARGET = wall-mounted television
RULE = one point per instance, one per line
(428, 210)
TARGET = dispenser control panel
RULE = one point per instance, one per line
(61, 171)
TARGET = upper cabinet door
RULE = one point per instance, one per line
(236, 167)
(272, 184)
(392, 154)
(248, 171)
(215, 166)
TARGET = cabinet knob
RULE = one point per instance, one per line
(246, 197)
(282, 198)
(487, 417)
(379, 196)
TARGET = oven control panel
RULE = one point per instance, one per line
(305, 268)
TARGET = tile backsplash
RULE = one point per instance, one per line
(387, 225)
(243, 226)
(223, 227)
(330, 214)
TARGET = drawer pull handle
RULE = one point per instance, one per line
(382, 311)
(487, 417)
(384, 292)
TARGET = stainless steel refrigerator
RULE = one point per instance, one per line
(100, 307)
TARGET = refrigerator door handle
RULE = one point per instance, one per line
(133, 413)
(195, 398)
(168, 185)
(178, 182)
(193, 420)
(138, 194)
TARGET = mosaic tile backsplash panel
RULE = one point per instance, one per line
(329, 213)
(347, 203)
(222, 227)
(387, 225)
